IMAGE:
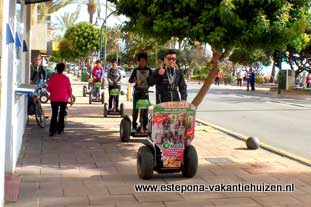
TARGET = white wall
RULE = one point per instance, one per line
(3, 112)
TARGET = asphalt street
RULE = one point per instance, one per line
(282, 123)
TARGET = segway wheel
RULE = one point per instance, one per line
(190, 167)
(84, 91)
(145, 163)
(90, 98)
(103, 97)
(105, 110)
(122, 110)
(125, 130)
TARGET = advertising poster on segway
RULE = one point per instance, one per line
(172, 129)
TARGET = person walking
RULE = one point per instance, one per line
(60, 92)
(218, 77)
(308, 80)
(251, 80)
(239, 78)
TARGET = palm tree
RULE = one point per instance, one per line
(51, 7)
(67, 19)
(91, 9)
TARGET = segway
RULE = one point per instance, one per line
(169, 149)
(96, 95)
(86, 89)
(125, 125)
(114, 93)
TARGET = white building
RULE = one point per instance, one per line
(15, 41)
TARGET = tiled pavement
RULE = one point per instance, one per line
(89, 166)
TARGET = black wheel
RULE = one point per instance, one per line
(90, 97)
(84, 91)
(125, 130)
(145, 163)
(105, 110)
(39, 114)
(190, 167)
(122, 110)
(103, 97)
(44, 97)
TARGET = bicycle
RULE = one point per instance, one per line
(35, 108)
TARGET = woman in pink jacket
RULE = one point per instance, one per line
(60, 93)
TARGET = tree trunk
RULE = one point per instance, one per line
(156, 54)
(272, 72)
(210, 78)
(91, 18)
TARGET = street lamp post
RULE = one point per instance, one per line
(101, 38)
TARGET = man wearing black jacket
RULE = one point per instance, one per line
(170, 82)
(38, 74)
(140, 76)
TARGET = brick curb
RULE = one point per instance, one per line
(267, 147)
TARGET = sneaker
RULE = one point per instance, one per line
(134, 127)
(60, 132)
(138, 129)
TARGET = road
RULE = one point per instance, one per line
(282, 123)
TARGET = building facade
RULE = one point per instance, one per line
(14, 70)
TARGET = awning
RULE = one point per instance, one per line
(25, 48)
(32, 1)
(17, 41)
(9, 35)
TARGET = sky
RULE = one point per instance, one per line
(84, 16)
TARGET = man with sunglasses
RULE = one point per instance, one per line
(169, 81)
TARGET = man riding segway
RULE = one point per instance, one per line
(141, 102)
(97, 76)
(139, 76)
(169, 149)
(114, 80)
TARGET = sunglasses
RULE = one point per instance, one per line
(169, 59)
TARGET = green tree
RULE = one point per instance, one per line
(84, 38)
(224, 24)
(300, 59)
(251, 59)
(67, 51)
(135, 43)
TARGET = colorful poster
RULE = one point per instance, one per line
(172, 129)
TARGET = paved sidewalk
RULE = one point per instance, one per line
(89, 166)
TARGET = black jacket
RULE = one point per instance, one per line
(38, 73)
(166, 92)
(114, 76)
(142, 75)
